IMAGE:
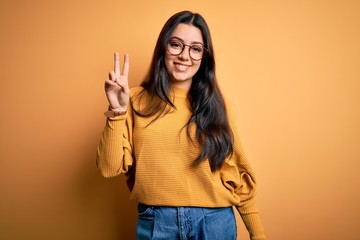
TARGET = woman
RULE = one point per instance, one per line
(176, 141)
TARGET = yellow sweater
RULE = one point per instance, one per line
(157, 163)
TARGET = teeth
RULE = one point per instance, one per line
(181, 67)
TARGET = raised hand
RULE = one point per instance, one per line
(117, 87)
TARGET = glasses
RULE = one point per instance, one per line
(176, 47)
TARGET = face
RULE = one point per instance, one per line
(182, 67)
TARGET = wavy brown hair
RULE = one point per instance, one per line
(213, 131)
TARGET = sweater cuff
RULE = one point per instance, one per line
(254, 226)
(117, 118)
(116, 123)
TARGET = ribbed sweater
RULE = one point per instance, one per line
(157, 161)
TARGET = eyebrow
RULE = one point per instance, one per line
(184, 41)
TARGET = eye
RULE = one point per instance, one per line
(197, 48)
(175, 44)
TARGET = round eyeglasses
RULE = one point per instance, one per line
(176, 47)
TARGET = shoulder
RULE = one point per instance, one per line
(136, 90)
(138, 96)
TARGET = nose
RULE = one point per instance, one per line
(185, 54)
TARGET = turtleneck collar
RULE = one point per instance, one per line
(179, 92)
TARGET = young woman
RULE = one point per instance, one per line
(175, 139)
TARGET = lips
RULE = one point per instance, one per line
(181, 67)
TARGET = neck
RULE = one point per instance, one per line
(182, 84)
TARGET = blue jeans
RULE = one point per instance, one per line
(185, 223)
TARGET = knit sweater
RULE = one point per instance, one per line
(157, 161)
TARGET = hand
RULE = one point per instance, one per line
(117, 87)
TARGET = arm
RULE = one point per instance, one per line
(114, 154)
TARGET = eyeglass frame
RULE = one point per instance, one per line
(205, 50)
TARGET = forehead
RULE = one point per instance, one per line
(188, 33)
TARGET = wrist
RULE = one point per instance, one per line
(117, 109)
(114, 112)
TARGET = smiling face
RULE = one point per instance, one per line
(182, 68)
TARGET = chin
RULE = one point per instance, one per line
(181, 78)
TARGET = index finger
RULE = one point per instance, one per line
(117, 64)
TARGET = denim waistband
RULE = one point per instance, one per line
(166, 222)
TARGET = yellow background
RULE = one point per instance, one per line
(290, 68)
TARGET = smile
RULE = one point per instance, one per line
(181, 67)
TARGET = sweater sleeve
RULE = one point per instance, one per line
(114, 153)
(241, 178)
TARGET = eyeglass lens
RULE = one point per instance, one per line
(176, 47)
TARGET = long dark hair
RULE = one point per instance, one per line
(213, 132)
